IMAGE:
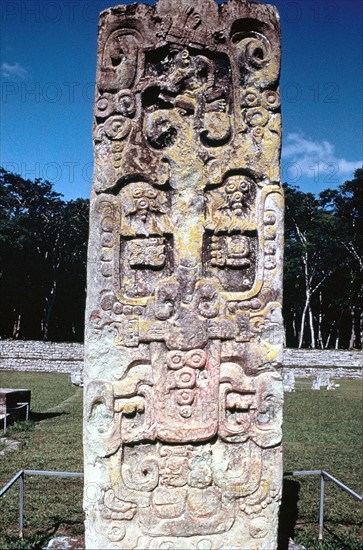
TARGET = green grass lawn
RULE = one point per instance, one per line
(322, 430)
(51, 440)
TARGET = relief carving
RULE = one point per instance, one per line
(183, 391)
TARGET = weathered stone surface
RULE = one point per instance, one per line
(183, 390)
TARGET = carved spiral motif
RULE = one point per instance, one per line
(104, 106)
(196, 358)
(255, 52)
(143, 477)
(271, 99)
(250, 98)
(125, 101)
(257, 117)
(175, 360)
(116, 531)
(268, 99)
(185, 378)
(117, 127)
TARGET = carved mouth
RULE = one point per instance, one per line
(240, 409)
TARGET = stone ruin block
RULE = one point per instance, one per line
(288, 381)
(183, 389)
(323, 380)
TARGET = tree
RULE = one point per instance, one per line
(310, 258)
(40, 237)
(67, 322)
(346, 205)
(323, 266)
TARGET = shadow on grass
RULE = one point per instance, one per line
(15, 424)
(288, 512)
(38, 417)
(38, 540)
(33, 542)
(344, 544)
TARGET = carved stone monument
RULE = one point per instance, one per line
(183, 391)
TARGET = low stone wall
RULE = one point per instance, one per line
(306, 363)
(68, 358)
(38, 356)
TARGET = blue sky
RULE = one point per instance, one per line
(48, 63)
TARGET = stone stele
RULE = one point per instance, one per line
(183, 390)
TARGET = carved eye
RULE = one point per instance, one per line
(209, 310)
(257, 117)
(231, 188)
(118, 147)
(185, 412)
(138, 192)
(118, 308)
(196, 19)
(258, 133)
(244, 186)
(107, 302)
(102, 104)
(185, 397)
(151, 194)
(115, 532)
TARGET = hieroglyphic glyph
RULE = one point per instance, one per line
(183, 391)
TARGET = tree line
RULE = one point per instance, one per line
(323, 268)
(43, 250)
(43, 247)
